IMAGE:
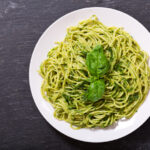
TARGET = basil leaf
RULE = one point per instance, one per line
(95, 90)
(97, 62)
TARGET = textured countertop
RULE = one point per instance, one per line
(21, 24)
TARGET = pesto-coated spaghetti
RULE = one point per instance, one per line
(66, 77)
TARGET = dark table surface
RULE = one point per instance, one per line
(21, 24)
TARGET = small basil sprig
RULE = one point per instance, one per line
(97, 65)
(97, 62)
(95, 90)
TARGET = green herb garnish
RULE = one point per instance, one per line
(97, 62)
(97, 65)
(96, 90)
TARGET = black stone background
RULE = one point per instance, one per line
(21, 24)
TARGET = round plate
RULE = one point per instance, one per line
(56, 32)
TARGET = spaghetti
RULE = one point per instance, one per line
(65, 76)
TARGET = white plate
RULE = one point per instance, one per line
(56, 32)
